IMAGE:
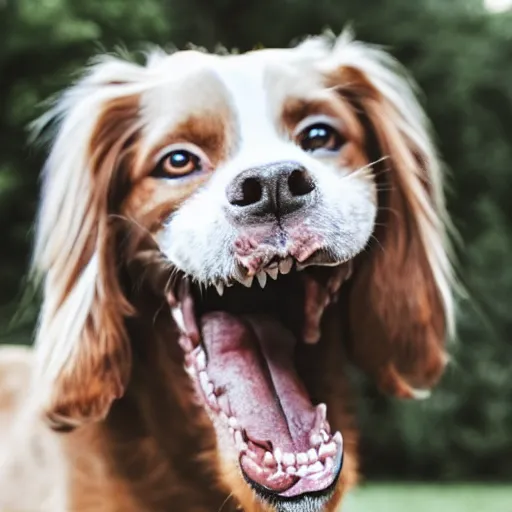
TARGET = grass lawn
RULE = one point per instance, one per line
(431, 498)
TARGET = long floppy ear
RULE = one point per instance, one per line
(84, 356)
(401, 307)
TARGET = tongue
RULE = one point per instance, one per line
(250, 359)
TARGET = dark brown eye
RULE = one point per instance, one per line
(177, 163)
(320, 136)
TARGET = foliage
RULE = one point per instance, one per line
(460, 55)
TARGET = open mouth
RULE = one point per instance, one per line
(240, 340)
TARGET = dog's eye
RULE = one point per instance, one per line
(320, 136)
(177, 163)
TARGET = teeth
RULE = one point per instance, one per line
(327, 449)
(285, 265)
(203, 380)
(201, 361)
(291, 470)
(288, 459)
(321, 413)
(278, 455)
(232, 422)
(312, 455)
(316, 467)
(302, 459)
(337, 438)
(302, 471)
(178, 318)
(325, 436)
(219, 285)
(272, 272)
(268, 460)
(239, 442)
(247, 282)
(213, 402)
(315, 440)
(262, 278)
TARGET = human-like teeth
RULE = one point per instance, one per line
(232, 422)
(219, 285)
(312, 455)
(268, 460)
(288, 459)
(273, 271)
(315, 468)
(262, 278)
(329, 449)
(285, 265)
(291, 470)
(278, 455)
(337, 438)
(302, 471)
(302, 459)
(325, 436)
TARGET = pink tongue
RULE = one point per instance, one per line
(250, 358)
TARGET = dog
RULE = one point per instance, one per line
(219, 238)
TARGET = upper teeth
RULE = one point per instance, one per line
(273, 270)
(262, 278)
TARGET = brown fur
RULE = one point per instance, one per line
(144, 442)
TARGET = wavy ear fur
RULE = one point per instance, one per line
(401, 306)
(84, 357)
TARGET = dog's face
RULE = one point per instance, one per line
(262, 179)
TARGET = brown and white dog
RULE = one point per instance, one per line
(218, 237)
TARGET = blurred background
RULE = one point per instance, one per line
(460, 53)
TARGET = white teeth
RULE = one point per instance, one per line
(219, 285)
(239, 442)
(285, 265)
(262, 278)
(178, 318)
(288, 459)
(278, 455)
(291, 470)
(302, 459)
(302, 471)
(247, 282)
(327, 449)
(325, 435)
(223, 416)
(315, 440)
(316, 467)
(232, 422)
(203, 380)
(321, 411)
(201, 361)
(273, 272)
(337, 438)
(268, 459)
(312, 455)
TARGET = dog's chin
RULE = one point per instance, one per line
(240, 343)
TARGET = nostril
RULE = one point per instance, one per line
(250, 193)
(300, 183)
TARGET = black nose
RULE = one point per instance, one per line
(280, 188)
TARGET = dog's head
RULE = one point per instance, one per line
(266, 180)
